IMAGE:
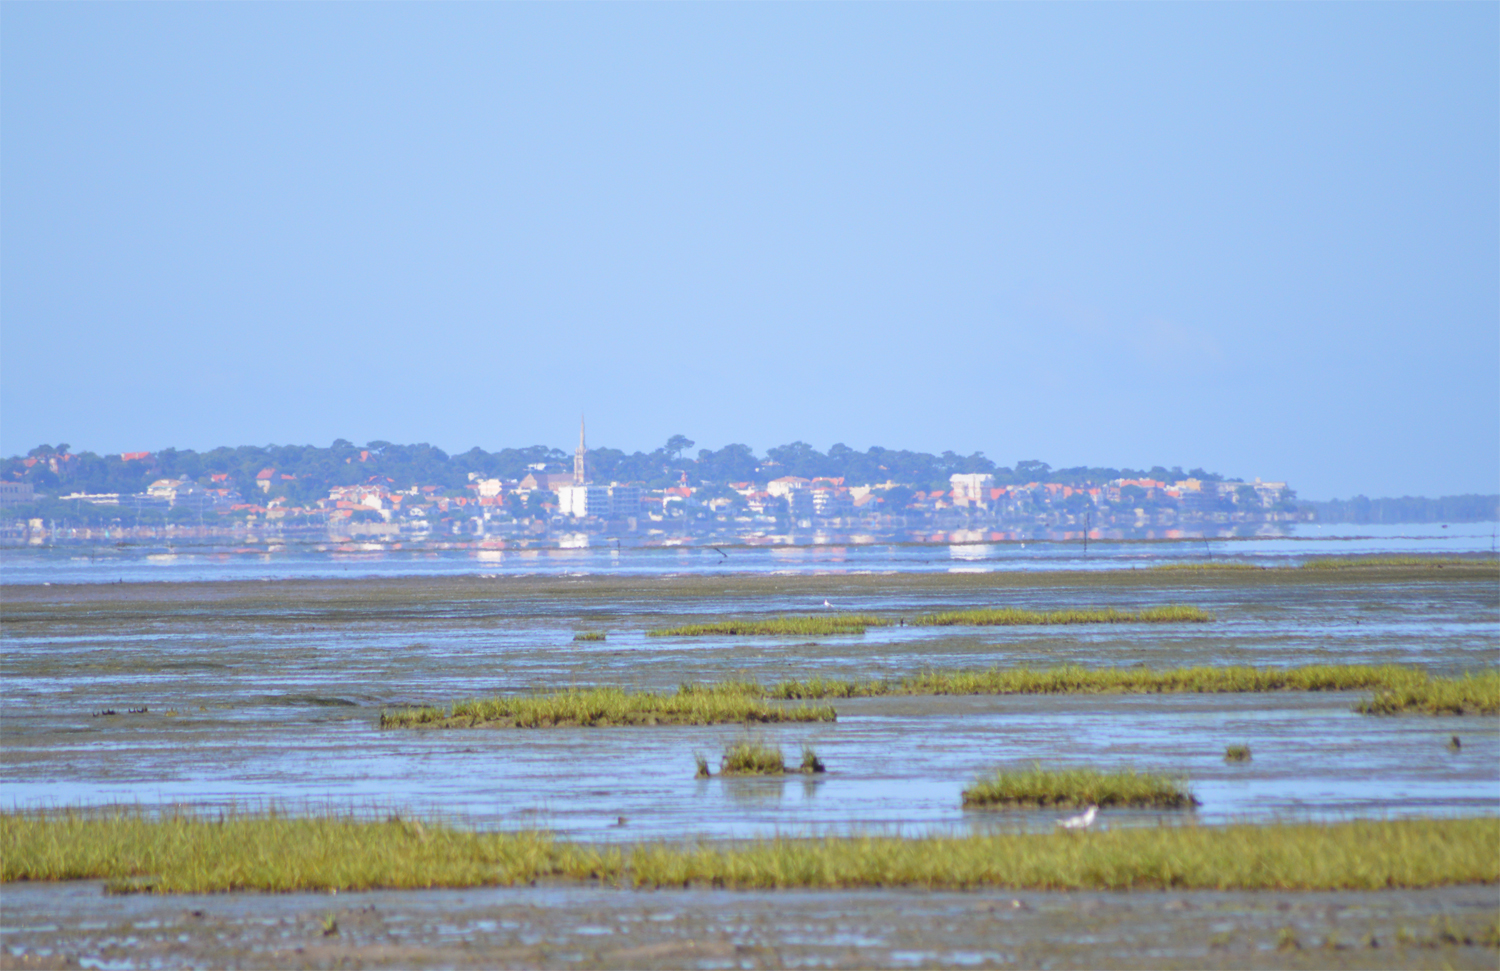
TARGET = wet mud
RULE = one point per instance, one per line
(258, 693)
(559, 926)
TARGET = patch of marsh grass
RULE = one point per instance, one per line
(1077, 679)
(1331, 563)
(728, 703)
(1215, 565)
(811, 764)
(1237, 753)
(1467, 695)
(809, 626)
(589, 635)
(752, 757)
(1015, 616)
(1356, 562)
(1077, 787)
(184, 852)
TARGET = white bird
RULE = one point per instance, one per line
(827, 604)
(1083, 820)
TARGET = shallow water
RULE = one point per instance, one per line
(270, 692)
(186, 559)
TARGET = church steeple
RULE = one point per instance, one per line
(578, 470)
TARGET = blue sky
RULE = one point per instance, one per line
(1261, 239)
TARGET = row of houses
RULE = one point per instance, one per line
(555, 497)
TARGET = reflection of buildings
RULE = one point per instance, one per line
(585, 501)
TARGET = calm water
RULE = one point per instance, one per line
(271, 692)
(133, 564)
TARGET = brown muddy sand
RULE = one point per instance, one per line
(570, 926)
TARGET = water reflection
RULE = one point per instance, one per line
(579, 554)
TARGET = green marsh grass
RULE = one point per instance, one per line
(1078, 787)
(811, 764)
(589, 635)
(1076, 679)
(810, 626)
(1237, 753)
(752, 757)
(1468, 695)
(1356, 562)
(1015, 616)
(1398, 690)
(183, 852)
(1217, 565)
(819, 625)
(728, 703)
(1331, 563)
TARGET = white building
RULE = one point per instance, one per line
(599, 502)
(971, 487)
(583, 501)
(786, 485)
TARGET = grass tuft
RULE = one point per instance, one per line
(811, 764)
(1470, 694)
(729, 703)
(183, 852)
(589, 635)
(1066, 788)
(1399, 690)
(810, 626)
(1237, 753)
(752, 757)
(1203, 565)
(1015, 616)
(1357, 562)
(1076, 679)
(702, 762)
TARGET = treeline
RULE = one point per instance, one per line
(1408, 509)
(306, 472)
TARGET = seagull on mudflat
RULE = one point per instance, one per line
(827, 604)
(1083, 820)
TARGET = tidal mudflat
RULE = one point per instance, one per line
(256, 693)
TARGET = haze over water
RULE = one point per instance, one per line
(191, 561)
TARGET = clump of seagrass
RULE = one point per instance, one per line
(728, 703)
(589, 635)
(702, 762)
(1064, 788)
(1237, 753)
(1365, 562)
(752, 757)
(1077, 679)
(810, 626)
(1014, 616)
(1472, 694)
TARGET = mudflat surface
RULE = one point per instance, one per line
(271, 691)
(259, 693)
(565, 926)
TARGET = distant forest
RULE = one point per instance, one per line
(307, 472)
(1408, 509)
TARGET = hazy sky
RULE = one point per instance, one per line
(1259, 238)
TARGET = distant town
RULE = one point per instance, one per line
(416, 494)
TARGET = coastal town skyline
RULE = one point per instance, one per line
(538, 495)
